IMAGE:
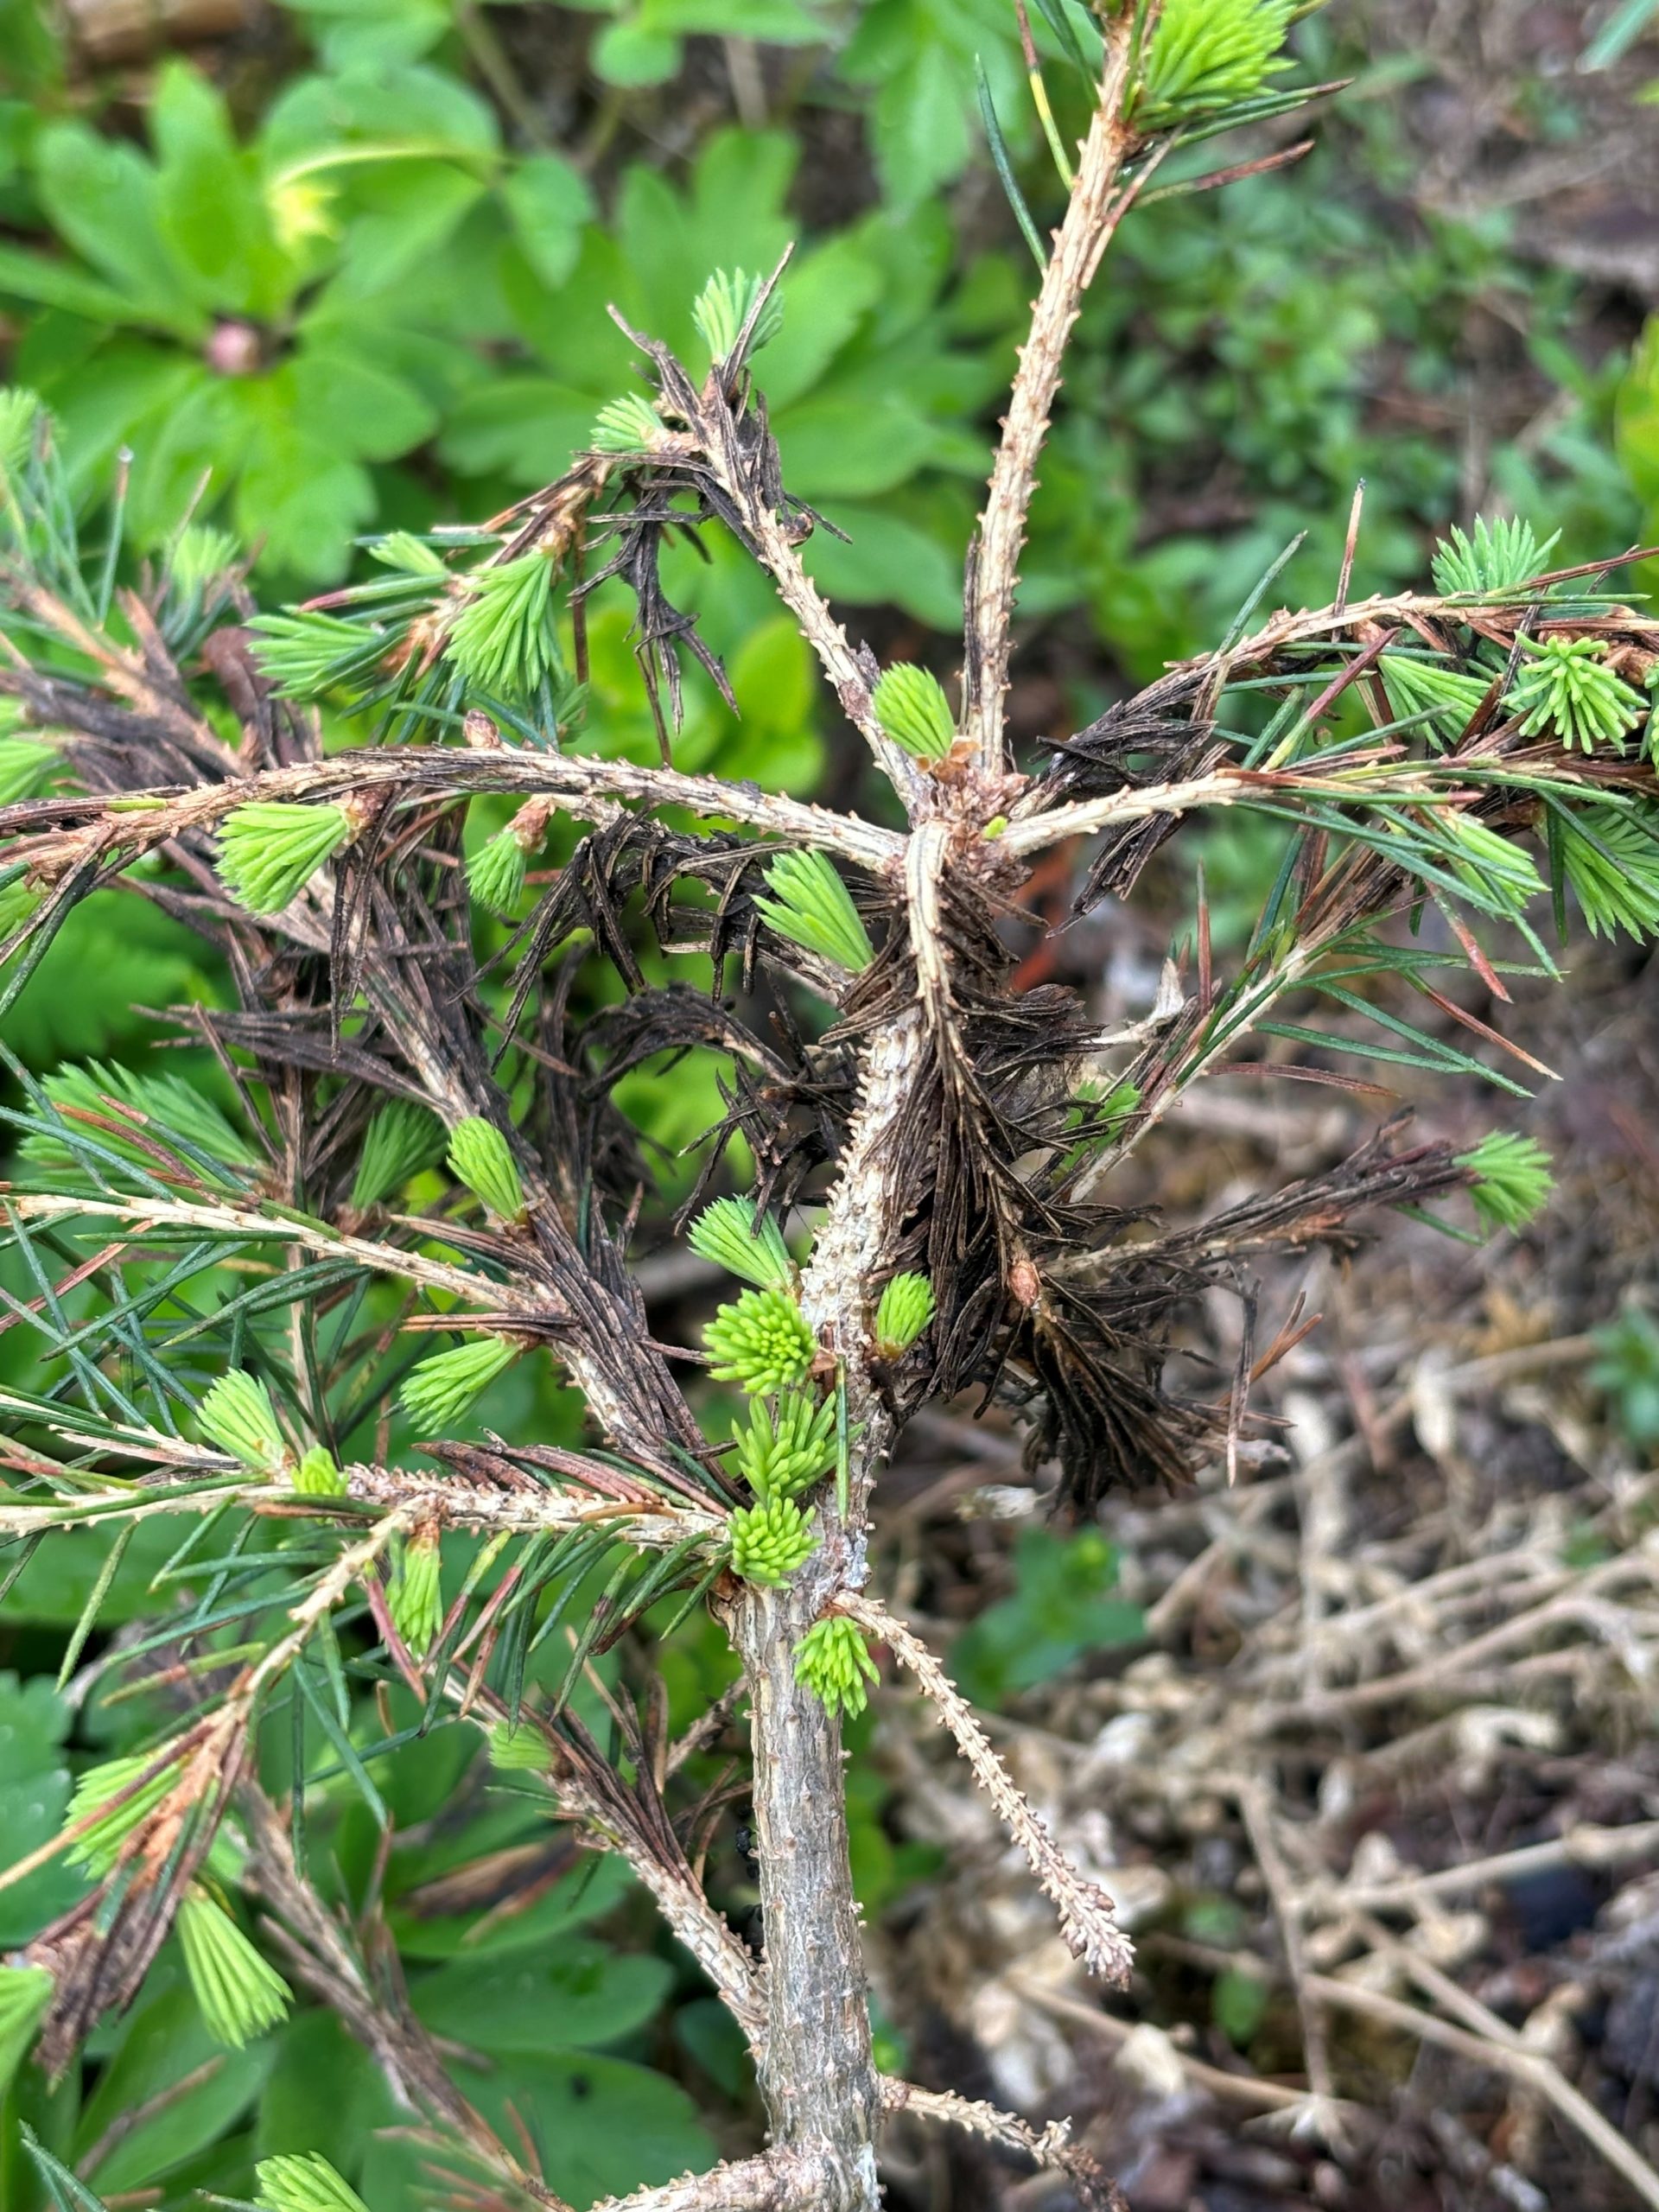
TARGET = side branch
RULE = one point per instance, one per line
(775, 550)
(781, 2181)
(581, 787)
(1095, 209)
(1084, 1909)
(1050, 2149)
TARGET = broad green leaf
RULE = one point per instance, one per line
(548, 202)
(376, 105)
(1064, 1606)
(299, 494)
(31, 38)
(827, 293)
(774, 22)
(570, 329)
(604, 2126)
(1638, 416)
(738, 186)
(113, 955)
(837, 448)
(349, 32)
(350, 404)
(103, 197)
(34, 1788)
(594, 1886)
(204, 435)
(919, 125)
(889, 559)
(120, 396)
(404, 212)
(627, 54)
(774, 677)
(59, 284)
(525, 428)
(324, 2093)
(209, 208)
(570, 1994)
(1239, 2004)
(164, 2042)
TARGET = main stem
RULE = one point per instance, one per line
(816, 2074)
(1092, 216)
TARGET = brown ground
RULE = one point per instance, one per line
(1395, 1707)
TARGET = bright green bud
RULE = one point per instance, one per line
(630, 424)
(98, 1847)
(21, 426)
(734, 1236)
(200, 556)
(318, 1475)
(415, 1597)
(24, 767)
(440, 1389)
(517, 1750)
(305, 656)
(761, 1342)
(905, 1310)
(781, 1453)
(483, 1160)
(1569, 690)
(1209, 55)
(1612, 862)
(833, 1660)
(1493, 560)
(269, 851)
(1490, 864)
(770, 1540)
(495, 873)
(241, 1995)
(128, 1106)
(911, 708)
(408, 554)
(503, 641)
(25, 1993)
(1512, 1179)
(238, 1415)
(811, 908)
(1415, 686)
(721, 308)
(303, 2181)
(401, 1141)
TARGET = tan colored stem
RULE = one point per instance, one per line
(1096, 208)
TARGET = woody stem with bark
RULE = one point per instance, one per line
(1096, 208)
(816, 2073)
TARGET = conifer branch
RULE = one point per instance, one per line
(1098, 204)
(1085, 1911)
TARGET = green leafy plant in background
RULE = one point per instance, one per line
(221, 315)
(1627, 1373)
(403, 1614)
(1061, 1608)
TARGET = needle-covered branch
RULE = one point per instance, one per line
(1085, 1911)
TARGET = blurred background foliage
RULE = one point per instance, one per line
(312, 270)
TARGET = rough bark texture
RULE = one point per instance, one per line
(816, 2073)
(1091, 215)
